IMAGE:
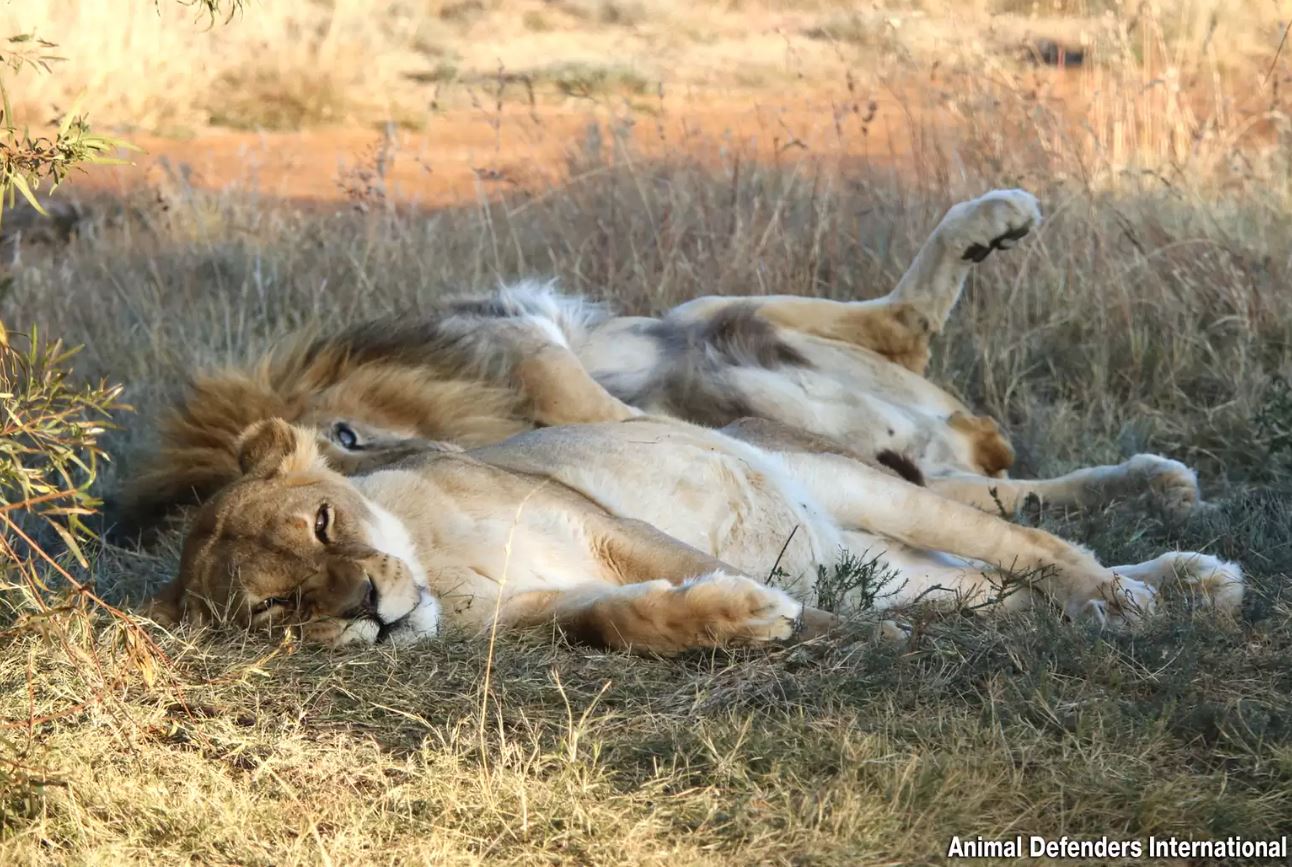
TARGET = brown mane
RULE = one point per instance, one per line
(351, 375)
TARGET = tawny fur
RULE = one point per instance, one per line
(476, 371)
(648, 535)
(315, 382)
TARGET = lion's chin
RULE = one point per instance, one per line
(420, 623)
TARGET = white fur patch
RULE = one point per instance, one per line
(550, 330)
(390, 536)
(361, 631)
(422, 622)
(571, 314)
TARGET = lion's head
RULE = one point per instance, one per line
(295, 544)
(364, 408)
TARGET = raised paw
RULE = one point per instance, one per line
(995, 221)
(1172, 485)
(733, 609)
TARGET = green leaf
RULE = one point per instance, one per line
(72, 545)
(8, 109)
(102, 142)
(72, 114)
(20, 184)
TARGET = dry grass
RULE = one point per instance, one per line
(291, 63)
(1150, 313)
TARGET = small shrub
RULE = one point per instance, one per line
(856, 582)
(587, 81)
(265, 98)
(49, 458)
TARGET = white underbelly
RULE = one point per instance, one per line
(735, 503)
(827, 403)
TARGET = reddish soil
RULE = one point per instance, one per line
(465, 154)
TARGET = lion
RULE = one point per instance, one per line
(647, 535)
(849, 375)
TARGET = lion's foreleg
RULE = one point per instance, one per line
(861, 498)
(562, 391)
(663, 617)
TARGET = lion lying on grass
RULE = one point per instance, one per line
(848, 374)
(648, 535)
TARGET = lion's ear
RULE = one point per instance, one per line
(273, 447)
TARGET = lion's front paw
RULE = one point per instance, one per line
(1173, 486)
(739, 610)
(894, 632)
(625, 412)
(1215, 582)
(607, 410)
(995, 221)
(1118, 603)
(334, 632)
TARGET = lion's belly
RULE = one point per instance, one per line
(718, 495)
(860, 399)
(753, 517)
(622, 355)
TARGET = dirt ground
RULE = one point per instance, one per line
(463, 154)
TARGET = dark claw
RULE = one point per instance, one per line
(1011, 235)
(978, 252)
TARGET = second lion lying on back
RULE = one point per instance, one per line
(849, 376)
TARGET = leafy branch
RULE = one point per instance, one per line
(50, 426)
(26, 49)
(49, 437)
(27, 162)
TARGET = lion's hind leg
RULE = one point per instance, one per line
(862, 499)
(1170, 484)
(968, 233)
(901, 324)
(912, 577)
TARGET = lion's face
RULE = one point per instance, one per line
(294, 544)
